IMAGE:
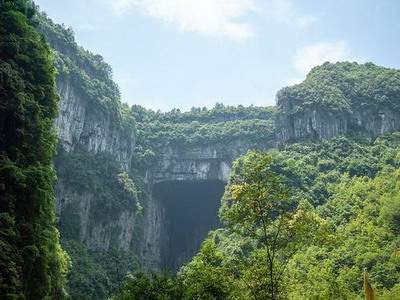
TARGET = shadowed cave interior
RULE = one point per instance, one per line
(190, 211)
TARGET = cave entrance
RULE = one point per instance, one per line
(190, 211)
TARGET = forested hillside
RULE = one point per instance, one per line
(338, 99)
(32, 263)
(301, 222)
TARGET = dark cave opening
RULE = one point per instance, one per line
(190, 210)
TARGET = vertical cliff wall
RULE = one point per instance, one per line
(97, 200)
(92, 123)
(186, 184)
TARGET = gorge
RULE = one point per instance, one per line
(127, 186)
(103, 199)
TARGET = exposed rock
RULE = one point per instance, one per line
(340, 99)
(319, 124)
(82, 125)
(202, 162)
(111, 231)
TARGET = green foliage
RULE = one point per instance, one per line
(310, 168)
(207, 276)
(115, 189)
(90, 76)
(343, 87)
(364, 237)
(33, 265)
(219, 125)
(97, 274)
(323, 250)
(256, 204)
(150, 287)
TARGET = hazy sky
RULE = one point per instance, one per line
(184, 53)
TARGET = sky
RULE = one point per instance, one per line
(193, 53)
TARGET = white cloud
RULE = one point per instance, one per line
(284, 11)
(217, 17)
(207, 17)
(316, 54)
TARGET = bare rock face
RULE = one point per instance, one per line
(201, 162)
(83, 126)
(318, 124)
(97, 234)
(197, 168)
(340, 99)
(90, 122)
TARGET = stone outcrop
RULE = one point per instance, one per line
(83, 126)
(111, 231)
(340, 99)
(318, 124)
(201, 162)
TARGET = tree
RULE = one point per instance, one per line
(259, 205)
(207, 277)
(150, 287)
(32, 263)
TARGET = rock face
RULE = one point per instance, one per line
(201, 162)
(320, 124)
(116, 231)
(193, 167)
(90, 122)
(82, 125)
(339, 99)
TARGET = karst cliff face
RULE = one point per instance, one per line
(182, 187)
(84, 126)
(317, 124)
(186, 175)
(340, 99)
(93, 133)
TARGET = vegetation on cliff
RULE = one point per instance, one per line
(301, 222)
(89, 74)
(201, 126)
(32, 263)
(95, 273)
(343, 87)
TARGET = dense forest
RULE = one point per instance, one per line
(303, 218)
(32, 263)
(301, 222)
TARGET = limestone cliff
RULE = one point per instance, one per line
(340, 99)
(198, 168)
(95, 129)
(91, 115)
(84, 126)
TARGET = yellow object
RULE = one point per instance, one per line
(368, 290)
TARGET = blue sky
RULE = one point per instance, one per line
(181, 53)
